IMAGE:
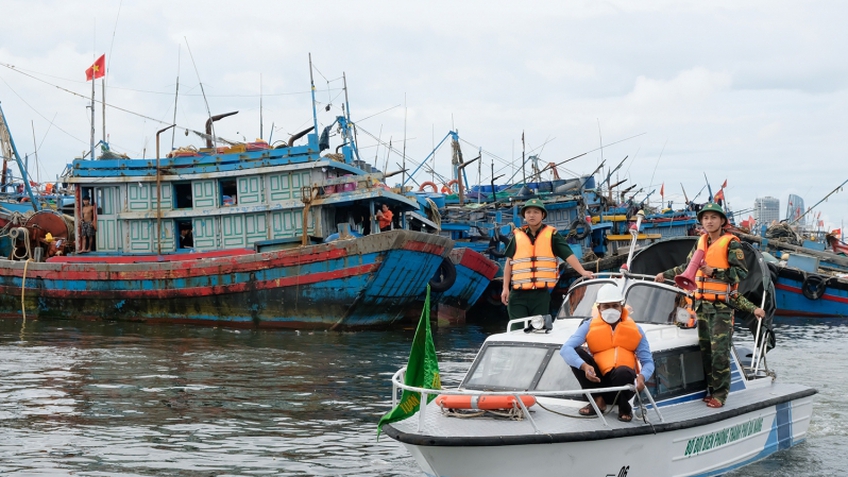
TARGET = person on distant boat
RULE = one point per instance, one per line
(384, 218)
(615, 343)
(186, 238)
(531, 270)
(89, 224)
(716, 297)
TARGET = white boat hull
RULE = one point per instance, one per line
(702, 450)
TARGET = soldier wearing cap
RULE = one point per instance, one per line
(716, 297)
(531, 270)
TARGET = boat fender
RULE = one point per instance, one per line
(576, 225)
(444, 278)
(814, 286)
(487, 403)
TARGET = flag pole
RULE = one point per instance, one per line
(92, 118)
(103, 99)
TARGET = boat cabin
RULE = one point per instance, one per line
(526, 357)
(236, 197)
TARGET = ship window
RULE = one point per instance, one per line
(182, 195)
(677, 372)
(557, 376)
(507, 367)
(229, 192)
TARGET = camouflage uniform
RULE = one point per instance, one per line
(534, 302)
(715, 321)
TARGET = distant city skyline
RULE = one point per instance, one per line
(766, 209)
(794, 209)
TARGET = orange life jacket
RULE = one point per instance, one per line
(711, 289)
(534, 265)
(612, 348)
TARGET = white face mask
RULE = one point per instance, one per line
(611, 315)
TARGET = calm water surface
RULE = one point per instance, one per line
(93, 399)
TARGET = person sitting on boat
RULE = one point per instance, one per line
(716, 297)
(384, 217)
(531, 270)
(616, 346)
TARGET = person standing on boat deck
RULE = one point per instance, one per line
(384, 218)
(615, 342)
(716, 297)
(89, 224)
(531, 270)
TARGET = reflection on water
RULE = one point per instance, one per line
(126, 399)
(811, 351)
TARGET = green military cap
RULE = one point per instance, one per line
(537, 204)
(712, 207)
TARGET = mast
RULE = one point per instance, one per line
(176, 99)
(312, 90)
(261, 126)
(7, 147)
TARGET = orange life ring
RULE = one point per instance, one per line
(488, 403)
(428, 183)
(450, 184)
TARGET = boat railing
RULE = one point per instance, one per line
(424, 393)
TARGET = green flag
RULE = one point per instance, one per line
(422, 370)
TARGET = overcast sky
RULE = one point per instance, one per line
(753, 92)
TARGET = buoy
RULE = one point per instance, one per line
(487, 403)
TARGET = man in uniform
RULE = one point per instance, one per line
(716, 297)
(531, 270)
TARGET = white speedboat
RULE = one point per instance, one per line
(673, 432)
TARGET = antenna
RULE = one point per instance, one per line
(403, 154)
(176, 97)
(261, 127)
(35, 148)
(523, 173)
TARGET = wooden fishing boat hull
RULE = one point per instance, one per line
(799, 293)
(473, 273)
(358, 283)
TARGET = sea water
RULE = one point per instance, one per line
(104, 399)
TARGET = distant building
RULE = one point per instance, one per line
(794, 209)
(766, 210)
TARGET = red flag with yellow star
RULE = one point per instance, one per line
(97, 70)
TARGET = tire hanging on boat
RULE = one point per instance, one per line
(444, 278)
(814, 286)
(576, 225)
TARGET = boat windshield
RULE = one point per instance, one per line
(648, 302)
(507, 366)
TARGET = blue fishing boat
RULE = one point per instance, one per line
(243, 235)
(810, 280)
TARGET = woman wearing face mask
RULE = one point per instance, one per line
(615, 343)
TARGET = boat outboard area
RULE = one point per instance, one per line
(538, 429)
